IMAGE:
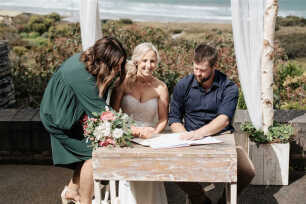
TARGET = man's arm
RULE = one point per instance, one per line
(177, 108)
(215, 126)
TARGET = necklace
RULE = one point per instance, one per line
(145, 82)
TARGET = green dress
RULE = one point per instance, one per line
(70, 93)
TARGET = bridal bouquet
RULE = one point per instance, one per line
(109, 128)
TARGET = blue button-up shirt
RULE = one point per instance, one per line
(196, 107)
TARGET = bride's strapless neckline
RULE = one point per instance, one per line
(129, 95)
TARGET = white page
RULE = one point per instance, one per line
(173, 140)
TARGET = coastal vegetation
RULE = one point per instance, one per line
(40, 43)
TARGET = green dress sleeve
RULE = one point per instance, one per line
(84, 87)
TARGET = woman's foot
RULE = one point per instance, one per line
(70, 196)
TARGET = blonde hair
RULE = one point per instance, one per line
(131, 66)
(141, 49)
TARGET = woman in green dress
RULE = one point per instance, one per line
(77, 88)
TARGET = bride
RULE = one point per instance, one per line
(144, 98)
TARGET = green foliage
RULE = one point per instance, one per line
(294, 105)
(169, 77)
(24, 35)
(41, 24)
(278, 133)
(35, 58)
(54, 16)
(177, 31)
(19, 50)
(38, 41)
(125, 21)
(289, 70)
(290, 80)
(294, 44)
(241, 102)
(33, 35)
(290, 21)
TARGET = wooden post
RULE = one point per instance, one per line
(267, 63)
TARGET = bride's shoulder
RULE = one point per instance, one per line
(159, 83)
(161, 87)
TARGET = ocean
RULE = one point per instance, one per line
(149, 10)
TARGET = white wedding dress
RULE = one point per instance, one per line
(141, 192)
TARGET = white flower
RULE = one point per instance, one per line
(117, 133)
(102, 130)
(125, 117)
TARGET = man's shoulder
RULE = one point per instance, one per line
(186, 80)
(224, 80)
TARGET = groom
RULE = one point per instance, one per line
(204, 104)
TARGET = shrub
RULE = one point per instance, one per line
(33, 35)
(278, 133)
(19, 50)
(294, 105)
(38, 41)
(169, 77)
(290, 21)
(125, 21)
(42, 55)
(241, 102)
(290, 80)
(56, 17)
(41, 24)
(294, 44)
(24, 35)
(177, 31)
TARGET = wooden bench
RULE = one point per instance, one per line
(203, 163)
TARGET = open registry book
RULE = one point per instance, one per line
(173, 140)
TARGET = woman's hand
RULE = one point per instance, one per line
(142, 132)
(146, 132)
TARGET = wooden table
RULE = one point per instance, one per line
(203, 163)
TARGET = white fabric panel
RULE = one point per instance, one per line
(247, 23)
(90, 23)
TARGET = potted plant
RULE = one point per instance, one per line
(269, 153)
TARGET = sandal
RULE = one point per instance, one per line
(66, 200)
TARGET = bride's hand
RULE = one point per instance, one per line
(146, 132)
(142, 132)
(135, 131)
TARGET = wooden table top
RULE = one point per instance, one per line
(206, 163)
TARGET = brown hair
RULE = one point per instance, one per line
(205, 52)
(102, 58)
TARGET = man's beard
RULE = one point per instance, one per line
(205, 79)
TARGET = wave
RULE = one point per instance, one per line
(167, 11)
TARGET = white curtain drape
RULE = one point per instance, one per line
(248, 24)
(90, 22)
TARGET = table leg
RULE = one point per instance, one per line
(231, 193)
(97, 190)
(112, 185)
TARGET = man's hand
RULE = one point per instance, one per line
(191, 135)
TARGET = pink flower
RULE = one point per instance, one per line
(106, 142)
(110, 141)
(85, 118)
(107, 116)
